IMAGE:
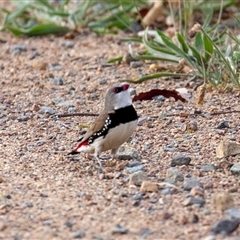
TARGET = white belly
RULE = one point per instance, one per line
(118, 135)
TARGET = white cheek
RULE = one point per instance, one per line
(123, 99)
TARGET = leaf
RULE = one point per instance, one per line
(208, 46)
(156, 92)
(198, 41)
(182, 42)
(156, 75)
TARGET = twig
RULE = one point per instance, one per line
(76, 114)
(201, 113)
(167, 115)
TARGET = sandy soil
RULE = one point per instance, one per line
(45, 194)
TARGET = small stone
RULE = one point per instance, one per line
(153, 200)
(190, 127)
(1, 179)
(197, 201)
(69, 224)
(180, 160)
(174, 175)
(233, 213)
(28, 205)
(223, 200)
(35, 107)
(197, 191)
(190, 183)
(137, 178)
(18, 48)
(3, 226)
(23, 118)
(138, 196)
(57, 81)
(194, 218)
(41, 142)
(148, 186)
(227, 148)
(68, 44)
(225, 226)
(207, 168)
(167, 191)
(47, 110)
(182, 219)
(119, 230)
(135, 64)
(235, 169)
(135, 168)
(102, 81)
(145, 232)
(79, 234)
(223, 124)
(128, 153)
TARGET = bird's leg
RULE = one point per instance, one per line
(114, 152)
(96, 155)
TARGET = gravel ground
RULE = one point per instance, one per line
(45, 194)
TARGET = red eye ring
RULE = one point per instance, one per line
(116, 90)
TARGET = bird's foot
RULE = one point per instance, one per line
(105, 157)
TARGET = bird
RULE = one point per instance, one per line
(114, 125)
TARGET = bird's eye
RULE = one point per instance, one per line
(117, 89)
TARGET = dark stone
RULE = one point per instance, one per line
(223, 124)
(226, 226)
(119, 230)
(180, 160)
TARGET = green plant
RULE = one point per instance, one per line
(209, 55)
(42, 17)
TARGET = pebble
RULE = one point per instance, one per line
(23, 118)
(225, 226)
(47, 110)
(41, 142)
(197, 201)
(128, 153)
(223, 124)
(197, 191)
(79, 234)
(135, 64)
(160, 98)
(148, 186)
(102, 81)
(145, 232)
(18, 48)
(68, 44)
(119, 230)
(55, 66)
(190, 183)
(166, 191)
(227, 148)
(138, 196)
(233, 213)
(223, 200)
(207, 168)
(57, 81)
(235, 169)
(180, 160)
(135, 168)
(137, 178)
(174, 175)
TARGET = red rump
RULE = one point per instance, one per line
(80, 145)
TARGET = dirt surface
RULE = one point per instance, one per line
(46, 194)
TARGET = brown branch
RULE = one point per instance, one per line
(201, 113)
(76, 114)
(167, 115)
